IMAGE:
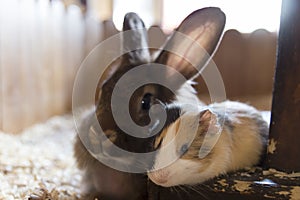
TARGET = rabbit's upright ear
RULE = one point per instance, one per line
(193, 42)
(135, 40)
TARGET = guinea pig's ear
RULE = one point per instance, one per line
(135, 40)
(210, 127)
(208, 120)
(194, 41)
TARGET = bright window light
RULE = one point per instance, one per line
(245, 16)
(144, 8)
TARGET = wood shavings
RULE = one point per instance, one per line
(38, 164)
(295, 193)
(242, 186)
(285, 193)
(223, 183)
(245, 174)
(281, 174)
(272, 146)
(294, 175)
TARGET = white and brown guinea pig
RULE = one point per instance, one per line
(240, 143)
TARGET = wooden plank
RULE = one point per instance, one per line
(284, 148)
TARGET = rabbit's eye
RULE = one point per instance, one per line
(146, 101)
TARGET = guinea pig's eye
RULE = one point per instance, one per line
(184, 148)
(147, 101)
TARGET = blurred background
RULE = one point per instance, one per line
(43, 42)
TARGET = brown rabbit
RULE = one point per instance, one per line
(204, 28)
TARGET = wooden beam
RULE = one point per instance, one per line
(284, 145)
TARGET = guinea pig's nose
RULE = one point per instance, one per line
(159, 177)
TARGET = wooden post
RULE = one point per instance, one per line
(284, 145)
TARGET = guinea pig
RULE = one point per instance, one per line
(204, 142)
